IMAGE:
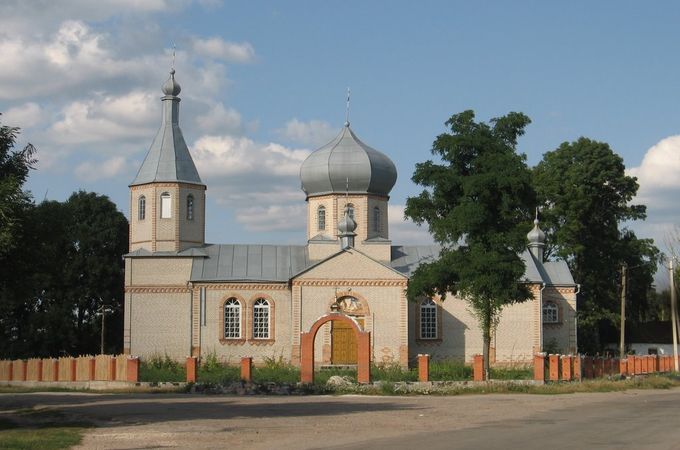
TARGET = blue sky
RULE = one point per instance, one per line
(263, 84)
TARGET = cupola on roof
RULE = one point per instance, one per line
(347, 165)
(168, 159)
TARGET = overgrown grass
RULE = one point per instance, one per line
(276, 371)
(213, 371)
(512, 373)
(449, 370)
(393, 373)
(158, 369)
(47, 430)
(321, 377)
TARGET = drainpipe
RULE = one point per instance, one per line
(540, 318)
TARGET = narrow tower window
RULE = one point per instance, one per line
(141, 209)
(376, 219)
(321, 217)
(166, 206)
(190, 207)
(350, 210)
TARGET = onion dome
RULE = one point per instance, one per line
(171, 87)
(347, 165)
(536, 236)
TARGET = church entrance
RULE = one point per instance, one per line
(344, 343)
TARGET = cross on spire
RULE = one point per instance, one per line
(347, 109)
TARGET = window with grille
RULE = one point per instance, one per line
(141, 213)
(428, 319)
(376, 219)
(166, 206)
(232, 319)
(190, 207)
(261, 319)
(321, 216)
(550, 313)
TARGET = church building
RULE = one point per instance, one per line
(185, 297)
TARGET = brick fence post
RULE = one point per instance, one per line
(191, 369)
(133, 370)
(247, 369)
(478, 368)
(423, 368)
(539, 367)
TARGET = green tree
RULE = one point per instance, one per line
(586, 197)
(67, 266)
(476, 204)
(14, 201)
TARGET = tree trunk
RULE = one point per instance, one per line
(486, 335)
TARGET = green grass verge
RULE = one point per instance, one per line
(44, 429)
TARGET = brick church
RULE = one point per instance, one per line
(185, 297)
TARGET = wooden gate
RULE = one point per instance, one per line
(343, 343)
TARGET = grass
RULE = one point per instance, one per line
(321, 377)
(276, 371)
(158, 369)
(449, 370)
(42, 429)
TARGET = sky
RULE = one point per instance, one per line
(264, 83)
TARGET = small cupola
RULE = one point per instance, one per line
(346, 228)
(536, 238)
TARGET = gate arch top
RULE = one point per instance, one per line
(307, 348)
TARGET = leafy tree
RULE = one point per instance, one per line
(14, 168)
(67, 266)
(477, 204)
(586, 197)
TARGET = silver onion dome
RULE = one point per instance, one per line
(347, 165)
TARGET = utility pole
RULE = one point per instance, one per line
(674, 315)
(622, 346)
(102, 310)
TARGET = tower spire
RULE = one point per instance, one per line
(347, 109)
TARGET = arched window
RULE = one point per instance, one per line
(350, 210)
(376, 219)
(321, 217)
(141, 208)
(261, 319)
(166, 205)
(551, 313)
(232, 319)
(190, 207)
(428, 319)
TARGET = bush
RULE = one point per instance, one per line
(158, 369)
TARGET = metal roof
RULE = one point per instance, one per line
(347, 165)
(406, 260)
(168, 159)
(243, 262)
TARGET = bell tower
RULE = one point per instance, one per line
(167, 197)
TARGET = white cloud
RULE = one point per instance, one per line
(219, 119)
(659, 189)
(273, 218)
(24, 116)
(314, 133)
(110, 168)
(218, 48)
(405, 232)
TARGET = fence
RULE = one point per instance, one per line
(69, 369)
(578, 367)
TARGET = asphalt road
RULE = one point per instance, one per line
(625, 420)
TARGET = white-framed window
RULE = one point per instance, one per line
(190, 207)
(350, 210)
(141, 208)
(376, 219)
(428, 319)
(261, 319)
(232, 319)
(166, 205)
(551, 313)
(321, 217)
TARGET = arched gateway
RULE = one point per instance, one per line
(307, 348)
